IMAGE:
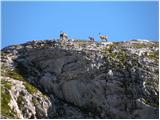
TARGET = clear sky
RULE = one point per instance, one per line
(25, 21)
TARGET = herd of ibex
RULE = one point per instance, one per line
(64, 35)
(102, 37)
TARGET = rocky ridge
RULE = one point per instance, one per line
(42, 79)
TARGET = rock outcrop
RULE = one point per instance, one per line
(42, 79)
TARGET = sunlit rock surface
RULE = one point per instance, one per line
(42, 79)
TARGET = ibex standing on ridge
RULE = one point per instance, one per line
(63, 38)
(103, 37)
(91, 38)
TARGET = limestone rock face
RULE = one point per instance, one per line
(24, 101)
(47, 80)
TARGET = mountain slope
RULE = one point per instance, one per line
(80, 80)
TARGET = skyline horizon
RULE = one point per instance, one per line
(121, 21)
(83, 39)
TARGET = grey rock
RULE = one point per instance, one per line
(118, 81)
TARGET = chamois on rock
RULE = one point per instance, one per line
(103, 37)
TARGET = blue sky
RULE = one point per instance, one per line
(25, 21)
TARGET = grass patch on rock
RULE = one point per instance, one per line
(14, 74)
(147, 101)
(6, 111)
(154, 55)
(6, 84)
(20, 100)
(118, 56)
(30, 88)
(4, 53)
